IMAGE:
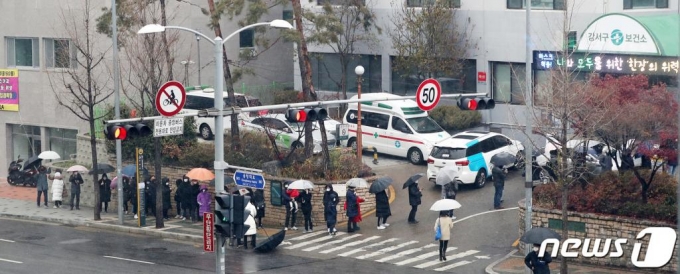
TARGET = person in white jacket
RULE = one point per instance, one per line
(250, 221)
(57, 189)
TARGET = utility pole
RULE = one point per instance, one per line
(198, 65)
(116, 91)
(528, 177)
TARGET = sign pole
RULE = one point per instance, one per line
(528, 161)
(141, 213)
(219, 165)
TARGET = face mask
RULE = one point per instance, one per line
(536, 249)
(186, 180)
(328, 189)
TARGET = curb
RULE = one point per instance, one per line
(111, 227)
(489, 268)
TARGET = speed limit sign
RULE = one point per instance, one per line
(428, 94)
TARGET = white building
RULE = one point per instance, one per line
(499, 27)
(31, 120)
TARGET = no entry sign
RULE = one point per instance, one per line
(170, 98)
(428, 94)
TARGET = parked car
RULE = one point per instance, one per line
(471, 151)
(289, 134)
(204, 99)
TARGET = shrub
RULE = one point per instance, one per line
(286, 96)
(254, 152)
(453, 118)
(616, 194)
(342, 166)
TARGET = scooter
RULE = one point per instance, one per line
(18, 176)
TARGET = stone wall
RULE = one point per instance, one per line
(598, 226)
(84, 154)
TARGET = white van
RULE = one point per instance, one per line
(396, 128)
(205, 99)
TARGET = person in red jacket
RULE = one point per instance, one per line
(293, 194)
(355, 219)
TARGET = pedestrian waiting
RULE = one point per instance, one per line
(353, 209)
(289, 197)
(41, 184)
(57, 189)
(330, 210)
(306, 206)
(105, 192)
(382, 209)
(442, 228)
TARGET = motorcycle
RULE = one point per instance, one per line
(19, 174)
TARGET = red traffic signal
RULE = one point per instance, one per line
(122, 132)
(296, 115)
(476, 103)
(302, 115)
(115, 132)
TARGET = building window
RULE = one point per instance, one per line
(59, 53)
(342, 2)
(25, 141)
(287, 15)
(420, 3)
(327, 72)
(508, 80)
(645, 4)
(247, 38)
(22, 52)
(63, 141)
(464, 82)
(537, 4)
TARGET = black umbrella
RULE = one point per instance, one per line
(103, 168)
(537, 235)
(271, 242)
(503, 159)
(380, 184)
(131, 170)
(33, 162)
(413, 179)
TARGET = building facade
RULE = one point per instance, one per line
(35, 51)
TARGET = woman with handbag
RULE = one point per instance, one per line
(442, 229)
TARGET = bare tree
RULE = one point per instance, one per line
(81, 80)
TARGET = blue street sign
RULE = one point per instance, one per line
(249, 179)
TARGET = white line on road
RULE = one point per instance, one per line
(485, 212)
(9, 241)
(456, 256)
(404, 253)
(453, 265)
(309, 235)
(313, 241)
(10, 261)
(367, 247)
(350, 244)
(385, 250)
(424, 256)
(129, 260)
(331, 243)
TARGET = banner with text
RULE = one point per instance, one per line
(607, 63)
(9, 89)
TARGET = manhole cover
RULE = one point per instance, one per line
(33, 238)
(155, 249)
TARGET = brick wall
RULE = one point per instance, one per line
(594, 226)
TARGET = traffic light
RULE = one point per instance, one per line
(121, 132)
(476, 103)
(222, 215)
(240, 215)
(302, 115)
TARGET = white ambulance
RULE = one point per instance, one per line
(396, 128)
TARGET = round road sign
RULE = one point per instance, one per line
(170, 98)
(428, 94)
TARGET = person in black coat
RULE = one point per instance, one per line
(258, 201)
(150, 195)
(178, 199)
(105, 192)
(498, 183)
(414, 194)
(184, 191)
(166, 197)
(306, 206)
(382, 209)
(330, 210)
(127, 195)
(352, 209)
(538, 265)
(76, 181)
(194, 191)
(133, 196)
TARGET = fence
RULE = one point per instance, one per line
(264, 92)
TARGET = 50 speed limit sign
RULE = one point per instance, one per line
(428, 94)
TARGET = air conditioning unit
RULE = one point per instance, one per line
(248, 53)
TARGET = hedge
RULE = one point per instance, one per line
(453, 118)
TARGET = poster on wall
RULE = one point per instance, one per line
(9, 90)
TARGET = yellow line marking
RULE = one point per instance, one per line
(516, 243)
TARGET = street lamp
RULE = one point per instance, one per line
(219, 164)
(186, 71)
(198, 47)
(359, 70)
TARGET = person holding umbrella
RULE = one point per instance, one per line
(105, 192)
(414, 194)
(330, 211)
(258, 201)
(444, 224)
(382, 209)
(538, 265)
(499, 184)
(352, 209)
(166, 197)
(76, 180)
(42, 187)
(306, 206)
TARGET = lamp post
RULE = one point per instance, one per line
(359, 70)
(186, 72)
(219, 164)
(198, 59)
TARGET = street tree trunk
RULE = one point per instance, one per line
(164, 22)
(158, 162)
(308, 92)
(93, 151)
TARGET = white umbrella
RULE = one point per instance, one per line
(78, 168)
(301, 184)
(357, 182)
(49, 155)
(447, 174)
(445, 204)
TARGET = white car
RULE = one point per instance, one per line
(204, 99)
(289, 134)
(471, 151)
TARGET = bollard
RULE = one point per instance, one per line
(375, 156)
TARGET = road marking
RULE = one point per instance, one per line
(313, 241)
(485, 212)
(516, 243)
(424, 256)
(404, 253)
(331, 242)
(307, 236)
(350, 244)
(453, 265)
(9, 241)
(367, 247)
(456, 256)
(483, 257)
(385, 250)
(10, 261)
(129, 260)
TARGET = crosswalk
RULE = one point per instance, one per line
(397, 251)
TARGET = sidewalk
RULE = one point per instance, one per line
(514, 263)
(19, 203)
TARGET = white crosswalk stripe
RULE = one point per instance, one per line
(367, 247)
(424, 256)
(307, 236)
(455, 256)
(306, 243)
(454, 265)
(385, 250)
(350, 244)
(404, 253)
(331, 243)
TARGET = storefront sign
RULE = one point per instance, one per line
(617, 33)
(481, 77)
(9, 89)
(607, 63)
